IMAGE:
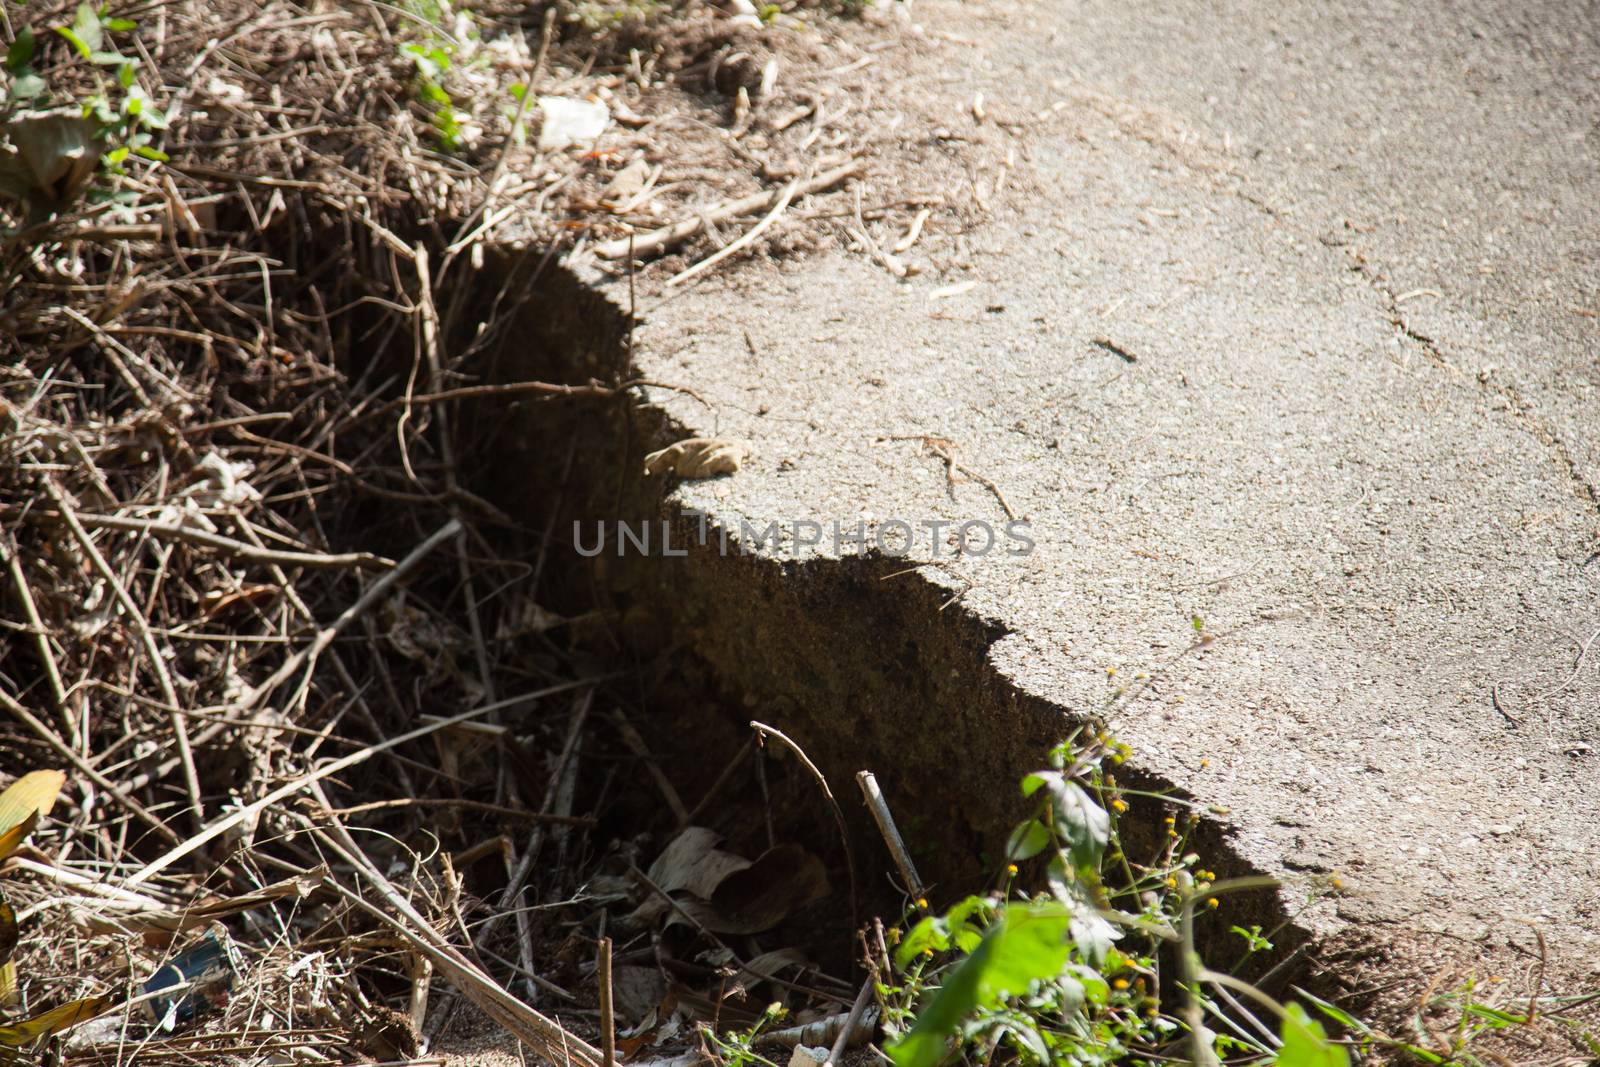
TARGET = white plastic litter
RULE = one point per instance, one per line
(569, 122)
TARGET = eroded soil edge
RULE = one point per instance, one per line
(865, 664)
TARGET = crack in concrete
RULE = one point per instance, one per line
(1522, 413)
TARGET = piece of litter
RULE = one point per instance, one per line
(953, 290)
(808, 1057)
(569, 122)
(204, 970)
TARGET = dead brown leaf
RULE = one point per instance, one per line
(697, 457)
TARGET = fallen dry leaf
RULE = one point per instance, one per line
(626, 184)
(697, 457)
(693, 863)
(761, 895)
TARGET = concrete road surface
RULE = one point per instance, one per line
(1343, 262)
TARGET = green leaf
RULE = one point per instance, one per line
(1306, 1044)
(431, 62)
(20, 54)
(125, 74)
(965, 934)
(84, 33)
(26, 85)
(1083, 824)
(1338, 1015)
(86, 23)
(1252, 937)
(1070, 995)
(116, 155)
(120, 25)
(155, 155)
(1094, 985)
(930, 934)
(77, 42)
(1496, 1018)
(1028, 944)
(1027, 841)
(1094, 936)
(1028, 1038)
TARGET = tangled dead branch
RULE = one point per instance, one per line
(239, 564)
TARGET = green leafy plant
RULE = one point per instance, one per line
(50, 144)
(431, 61)
(738, 1049)
(1075, 972)
(433, 53)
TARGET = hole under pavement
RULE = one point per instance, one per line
(862, 674)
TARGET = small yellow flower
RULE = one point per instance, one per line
(927, 953)
(1213, 902)
(1111, 672)
(1170, 819)
(1204, 763)
(1119, 805)
(1120, 983)
(922, 903)
(1178, 699)
(1172, 883)
(1011, 869)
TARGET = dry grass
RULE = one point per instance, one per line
(238, 562)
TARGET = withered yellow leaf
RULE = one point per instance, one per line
(13, 838)
(24, 802)
(53, 1021)
(35, 791)
(8, 940)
